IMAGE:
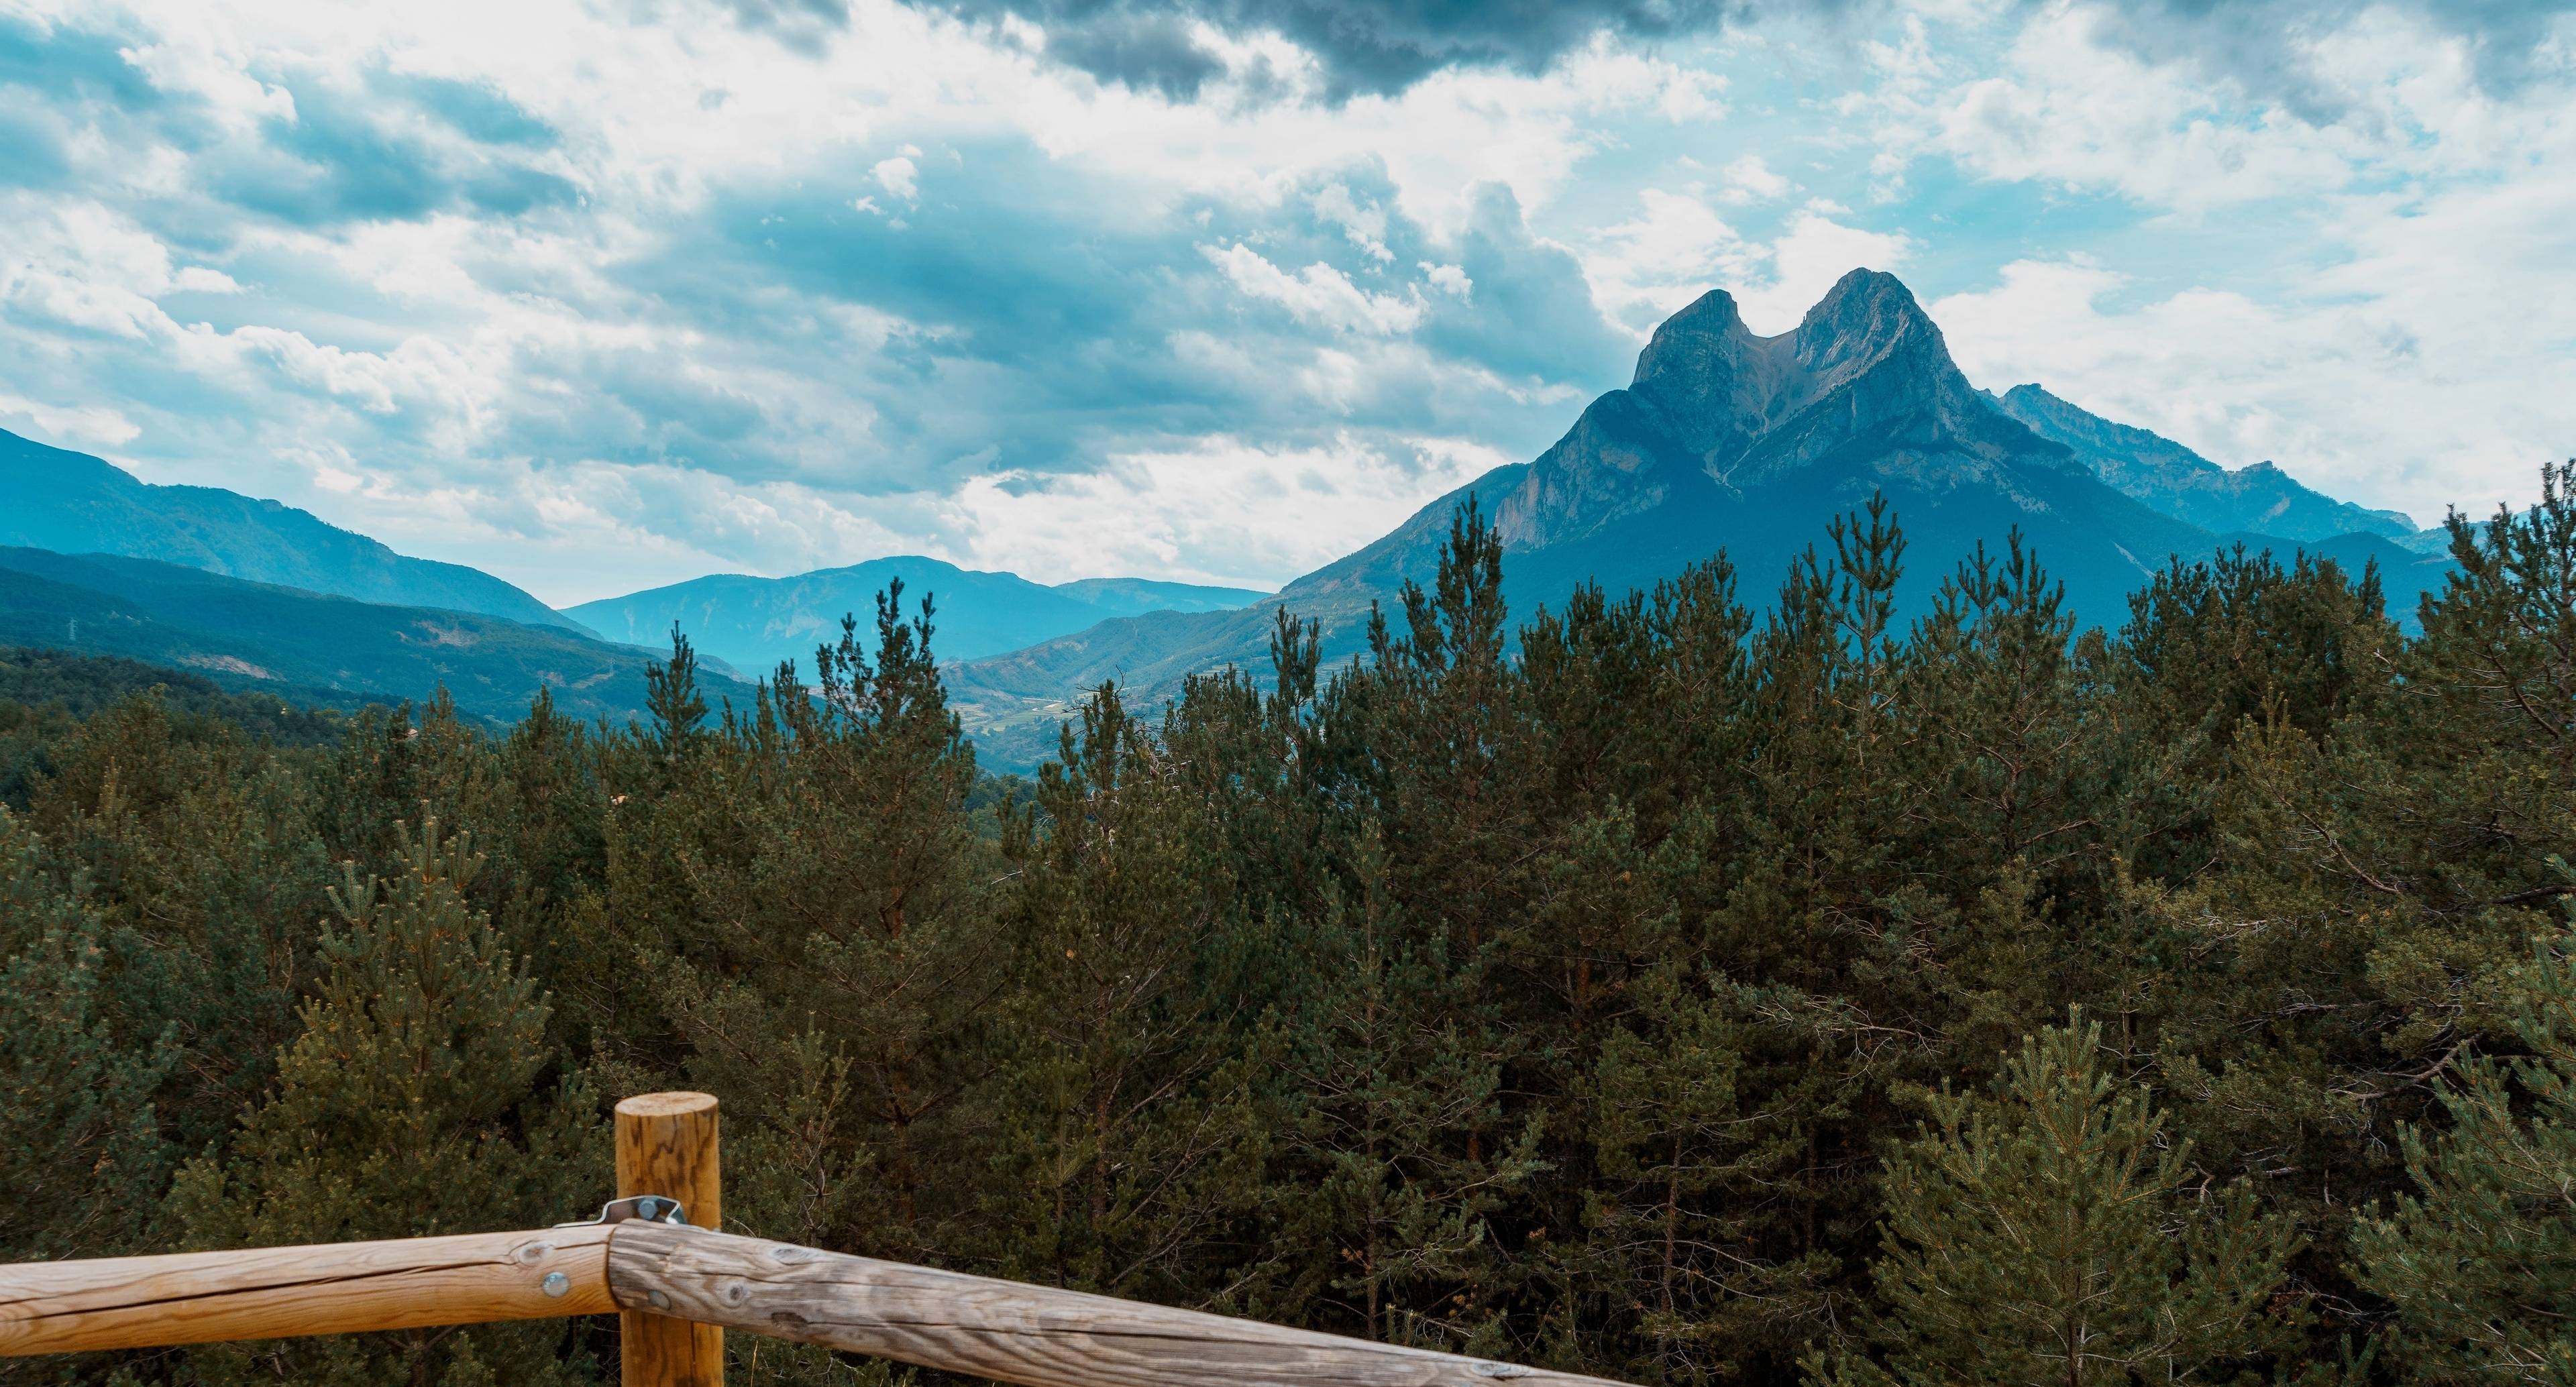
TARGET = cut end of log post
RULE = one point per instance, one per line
(666, 1145)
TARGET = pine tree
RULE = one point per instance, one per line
(420, 1100)
(199, 856)
(839, 960)
(1388, 1211)
(82, 1156)
(2480, 1263)
(1683, 1244)
(1126, 1131)
(2043, 1235)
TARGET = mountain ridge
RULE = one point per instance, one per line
(1723, 441)
(754, 623)
(2260, 498)
(74, 503)
(248, 635)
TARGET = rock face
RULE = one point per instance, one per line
(2261, 499)
(1725, 442)
(1715, 412)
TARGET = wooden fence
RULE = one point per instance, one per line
(678, 1286)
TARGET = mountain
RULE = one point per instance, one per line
(1138, 596)
(2260, 499)
(2406, 575)
(1722, 441)
(755, 623)
(73, 503)
(310, 646)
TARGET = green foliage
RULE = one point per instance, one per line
(2044, 1235)
(1556, 991)
(419, 1100)
(82, 1156)
(2480, 1263)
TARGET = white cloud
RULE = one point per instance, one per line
(1317, 294)
(1675, 249)
(1196, 512)
(81, 424)
(197, 279)
(1363, 223)
(2356, 395)
(896, 176)
(1646, 269)
(1749, 180)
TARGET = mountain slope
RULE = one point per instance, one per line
(2406, 576)
(73, 503)
(755, 623)
(1723, 441)
(279, 639)
(1137, 596)
(2261, 499)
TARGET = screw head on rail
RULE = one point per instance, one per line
(556, 1284)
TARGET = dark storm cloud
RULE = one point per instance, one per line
(2262, 44)
(1382, 48)
(1363, 47)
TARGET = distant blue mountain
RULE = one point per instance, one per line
(1137, 596)
(73, 503)
(2261, 499)
(1729, 442)
(754, 624)
(311, 647)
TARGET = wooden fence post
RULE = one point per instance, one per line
(666, 1145)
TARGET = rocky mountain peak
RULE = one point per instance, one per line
(1867, 317)
(1714, 404)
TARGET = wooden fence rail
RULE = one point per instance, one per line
(1003, 1329)
(284, 1292)
(682, 1287)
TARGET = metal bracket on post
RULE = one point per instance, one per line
(648, 1208)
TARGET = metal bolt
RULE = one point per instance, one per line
(649, 1207)
(556, 1283)
(660, 1301)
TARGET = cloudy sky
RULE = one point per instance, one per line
(603, 293)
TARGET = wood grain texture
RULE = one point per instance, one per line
(284, 1292)
(666, 1145)
(1002, 1329)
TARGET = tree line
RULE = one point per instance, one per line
(1682, 987)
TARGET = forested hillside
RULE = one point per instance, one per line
(1673, 993)
(73, 503)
